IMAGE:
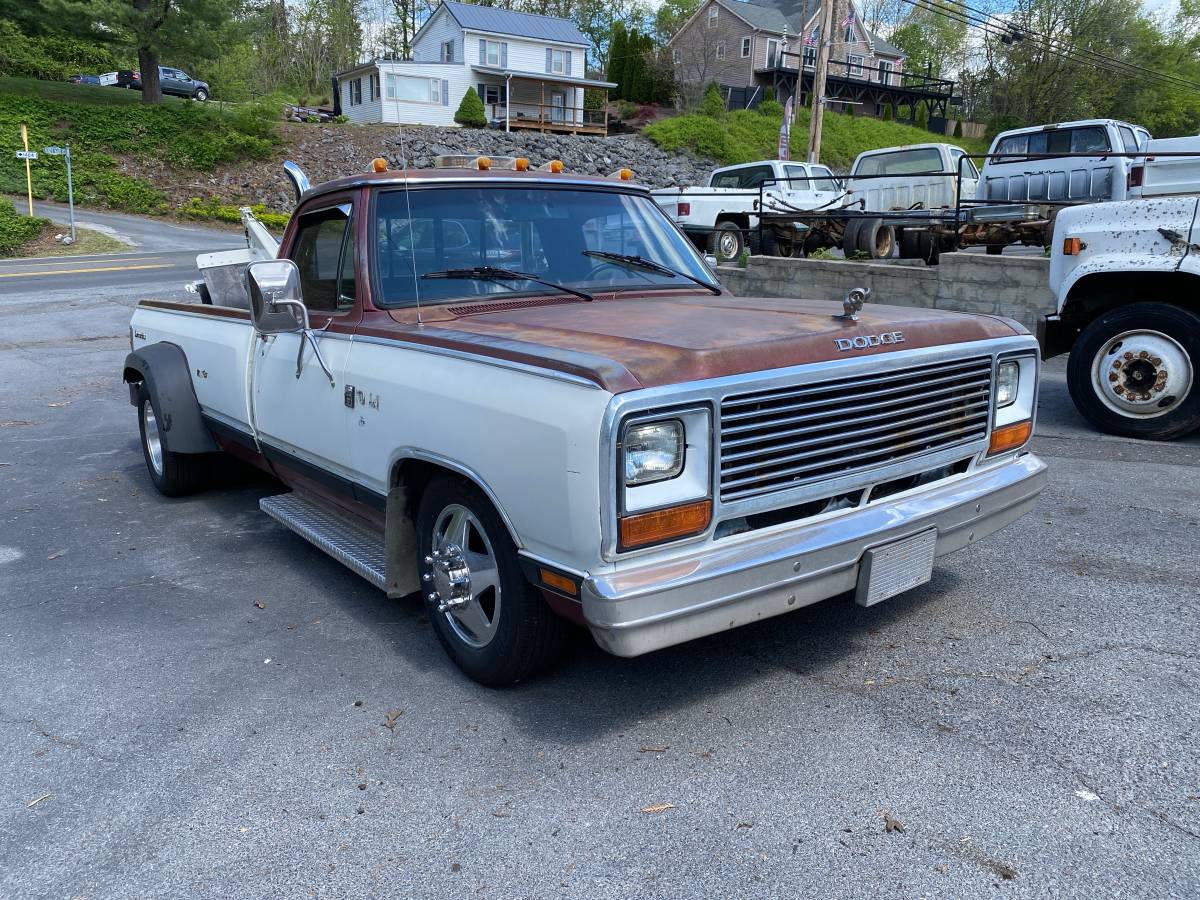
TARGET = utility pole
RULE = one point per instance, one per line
(818, 99)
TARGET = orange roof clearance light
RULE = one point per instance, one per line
(625, 174)
(379, 164)
(665, 524)
(1010, 437)
(521, 164)
(483, 163)
(555, 166)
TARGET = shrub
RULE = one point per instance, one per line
(958, 129)
(470, 111)
(212, 208)
(922, 117)
(16, 230)
(771, 108)
(713, 104)
(887, 113)
(52, 57)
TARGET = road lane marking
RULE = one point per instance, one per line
(74, 261)
(81, 271)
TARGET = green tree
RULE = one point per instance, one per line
(922, 117)
(151, 27)
(958, 129)
(470, 110)
(618, 46)
(934, 36)
(670, 16)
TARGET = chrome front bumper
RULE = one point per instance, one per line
(636, 610)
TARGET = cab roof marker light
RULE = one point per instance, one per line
(625, 174)
(554, 165)
(379, 164)
(483, 163)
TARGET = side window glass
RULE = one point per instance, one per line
(323, 253)
(1128, 139)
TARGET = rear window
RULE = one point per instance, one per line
(1088, 139)
(749, 177)
(901, 162)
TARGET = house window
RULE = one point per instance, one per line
(720, 50)
(745, 47)
(772, 53)
(676, 56)
(810, 57)
(849, 36)
(356, 92)
(558, 62)
(713, 12)
(885, 71)
(491, 56)
(448, 51)
(493, 94)
(374, 86)
(856, 65)
(414, 90)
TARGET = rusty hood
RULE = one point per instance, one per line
(632, 342)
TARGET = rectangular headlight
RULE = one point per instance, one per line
(654, 451)
(1008, 380)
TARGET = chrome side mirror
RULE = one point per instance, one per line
(276, 303)
(277, 307)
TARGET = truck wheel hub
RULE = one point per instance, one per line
(450, 577)
(1144, 374)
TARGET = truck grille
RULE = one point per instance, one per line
(776, 439)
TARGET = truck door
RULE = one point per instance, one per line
(305, 414)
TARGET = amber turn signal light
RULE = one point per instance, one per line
(521, 164)
(379, 164)
(1072, 246)
(664, 524)
(483, 163)
(559, 582)
(555, 165)
(1010, 437)
(625, 174)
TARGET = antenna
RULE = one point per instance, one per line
(412, 235)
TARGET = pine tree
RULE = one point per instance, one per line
(958, 129)
(470, 111)
(617, 49)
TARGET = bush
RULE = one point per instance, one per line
(51, 57)
(713, 104)
(212, 208)
(470, 111)
(16, 230)
(887, 113)
(958, 129)
(771, 108)
(922, 117)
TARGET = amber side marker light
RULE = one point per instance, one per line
(1072, 246)
(1009, 437)
(483, 163)
(558, 582)
(625, 174)
(664, 524)
(379, 164)
(521, 164)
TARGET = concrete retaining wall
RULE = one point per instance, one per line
(1012, 286)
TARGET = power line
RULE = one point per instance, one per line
(1053, 46)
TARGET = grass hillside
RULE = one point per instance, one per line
(747, 135)
(108, 126)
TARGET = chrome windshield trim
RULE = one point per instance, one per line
(714, 390)
(527, 368)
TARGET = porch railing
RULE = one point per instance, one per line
(880, 74)
(548, 115)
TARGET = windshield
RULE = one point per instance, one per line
(540, 231)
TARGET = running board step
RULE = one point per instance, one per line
(358, 549)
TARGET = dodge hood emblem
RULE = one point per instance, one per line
(863, 341)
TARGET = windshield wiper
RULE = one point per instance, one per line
(640, 262)
(493, 273)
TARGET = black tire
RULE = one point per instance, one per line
(526, 636)
(201, 95)
(1182, 329)
(726, 242)
(173, 474)
(995, 249)
(910, 244)
(929, 248)
(876, 239)
(774, 245)
(850, 237)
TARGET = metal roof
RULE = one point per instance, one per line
(517, 24)
(545, 76)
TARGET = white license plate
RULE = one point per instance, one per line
(894, 568)
(108, 78)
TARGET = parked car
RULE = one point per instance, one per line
(720, 216)
(1164, 176)
(83, 79)
(599, 434)
(174, 82)
(1126, 276)
(1068, 179)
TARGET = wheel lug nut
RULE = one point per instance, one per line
(429, 560)
(1156, 361)
(1112, 376)
(432, 596)
(427, 577)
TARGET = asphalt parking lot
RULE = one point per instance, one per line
(194, 702)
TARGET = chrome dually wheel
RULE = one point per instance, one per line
(153, 439)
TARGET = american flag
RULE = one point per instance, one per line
(849, 18)
(811, 40)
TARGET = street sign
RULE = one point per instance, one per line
(26, 154)
(54, 151)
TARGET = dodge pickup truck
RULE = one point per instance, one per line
(524, 394)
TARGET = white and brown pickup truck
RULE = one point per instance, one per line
(524, 394)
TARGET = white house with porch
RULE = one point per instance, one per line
(529, 70)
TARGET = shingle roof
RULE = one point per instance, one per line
(765, 17)
(773, 15)
(882, 46)
(518, 24)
